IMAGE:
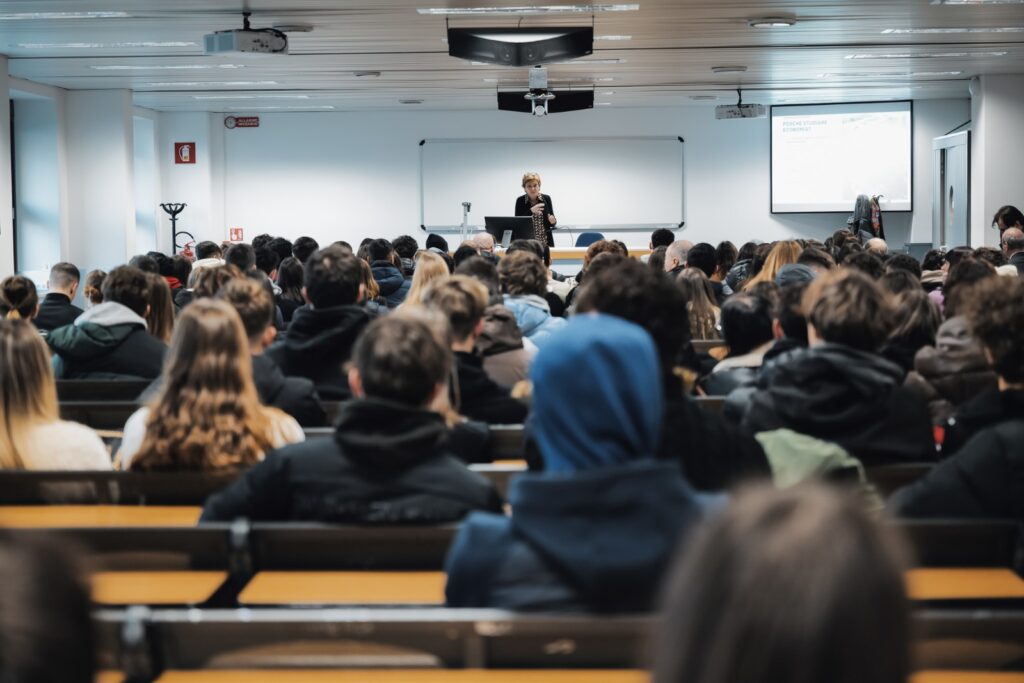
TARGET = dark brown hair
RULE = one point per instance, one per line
(399, 358)
(847, 307)
(523, 273)
(93, 290)
(252, 303)
(160, 318)
(962, 276)
(18, 298)
(995, 312)
(208, 281)
(798, 585)
(129, 287)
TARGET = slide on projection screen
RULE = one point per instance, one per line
(823, 156)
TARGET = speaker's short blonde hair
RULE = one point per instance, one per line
(530, 177)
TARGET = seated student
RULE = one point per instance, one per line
(387, 461)
(747, 329)
(524, 282)
(294, 395)
(462, 300)
(373, 302)
(47, 633)
(985, 476)
(181, 268)
(558, 288)
(303, 248)
(840, 390)
(110, 340)
(406, 247)
(393, 285)
(917, 322)
(93, 288)
(321, 335)
(18, 298)
(507, 354)
(800, 585)
(704, 314)
(703, 257)
(34, 437)
(714, 455)
(160, 316)
(206, 415)
(289, 282)
(429, 268)
(56, 309)
(595, 530)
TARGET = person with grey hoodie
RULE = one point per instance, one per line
(110, 340)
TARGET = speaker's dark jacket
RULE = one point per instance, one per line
(523, 209)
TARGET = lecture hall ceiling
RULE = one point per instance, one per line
(661, 54)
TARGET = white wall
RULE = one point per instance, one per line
(146, 183)
(348, 175)
(37, 187)
(6, 192)
(997, 148)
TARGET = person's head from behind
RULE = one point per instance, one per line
(904, 262)
(64, 279)
(994, 256)
(380, 250)
(280, 246)
(462, 300)
(267, 261)
(304, 247)
(207, 414)
(289, 278)
(966, 273)
(603, 261)
(865, 262)
(877, 246)
(28, 394)
(261, 240)
(532, 246)
(181, 268)
(406, 246)
(816, 259)
(612, 362)
(19, 299)
(702, 256)
(656, 261)
(996, 317)
(726, 255)
(333, 278)
(954, 255)
(917, 320)
(788, 319)
(746, 323)
(700, 305)
(160, 317)
(933, 259)
(129, 287)
(145, 263)
(898, 281)
(484, 272)
(644, 296)
(46, 633)
(747, 251)
(93, 290)
(400, 359)
(483, 241)
(847, 307)
(255, 307)
(241, 256)
(1012, 241)
(208, 249)
(778, 255)
(522, 274)
(429, 268)
(676, 254)
(371, 290)
(208, 281)
(466, 250)
(662, 237)
(1008, 217)
(797, 585)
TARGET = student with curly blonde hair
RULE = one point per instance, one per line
(207, 415)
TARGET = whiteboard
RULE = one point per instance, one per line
(618, 182)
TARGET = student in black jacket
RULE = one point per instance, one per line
(985, 478)
(321, 335)
(56, 309)
(387, 461)
(714, 455)
(462, 300)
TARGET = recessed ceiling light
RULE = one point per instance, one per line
(926, 55)
(603, 104)
(608, 92)
(204, 84)
(366, 74)
(703, 98)
(163, 67)
(268, 96)
(538, 9)
(84, 46)
(303, 108)
(869, 74)
(613, 37)
(904, 31)
(410, 101)
(736, 69)
(771, 22)
(597, 61)
(18, 16)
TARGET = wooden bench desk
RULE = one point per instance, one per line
(966, 677)
(155, 588)
(410, 676)
(964, 584)
(41, 516)
(344, 588)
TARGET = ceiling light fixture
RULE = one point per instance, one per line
(303, 108)
(89, 46)
(736, 69)
(908, 31)
(410, 101)
(771, 22)
(250, 97)
(538, 9)
(868, 74)
(703, 98)
(163, 67)
(366, 74)
(927, 55)
(205, 84)
(613, 37)
(978, 2)
(29, 16)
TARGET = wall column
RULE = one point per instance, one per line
(997, 149)
(6, 186)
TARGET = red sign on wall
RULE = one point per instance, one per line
(235, 234)
(184, 152)
(241, 122)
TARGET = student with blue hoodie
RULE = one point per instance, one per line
(524, 281)
(597, 528)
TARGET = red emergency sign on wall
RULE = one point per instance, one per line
(235, 234)
(184, 152)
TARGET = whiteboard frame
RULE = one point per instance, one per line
(610, 227)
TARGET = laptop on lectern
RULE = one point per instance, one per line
(504, 229)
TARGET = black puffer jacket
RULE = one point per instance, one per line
(319, 341)
(984, 411)
(393, 285)
(849, 397)
(984, 479)
(385, 464)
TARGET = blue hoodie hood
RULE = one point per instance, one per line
(611, 363)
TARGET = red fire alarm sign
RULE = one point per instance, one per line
(235, 234)
(184, 152)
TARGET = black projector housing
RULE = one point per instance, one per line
(565, 100)
(570, 43)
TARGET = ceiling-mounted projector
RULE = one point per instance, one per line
(521, 46)
(740, 110)
(267, 41)
(540, 101)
